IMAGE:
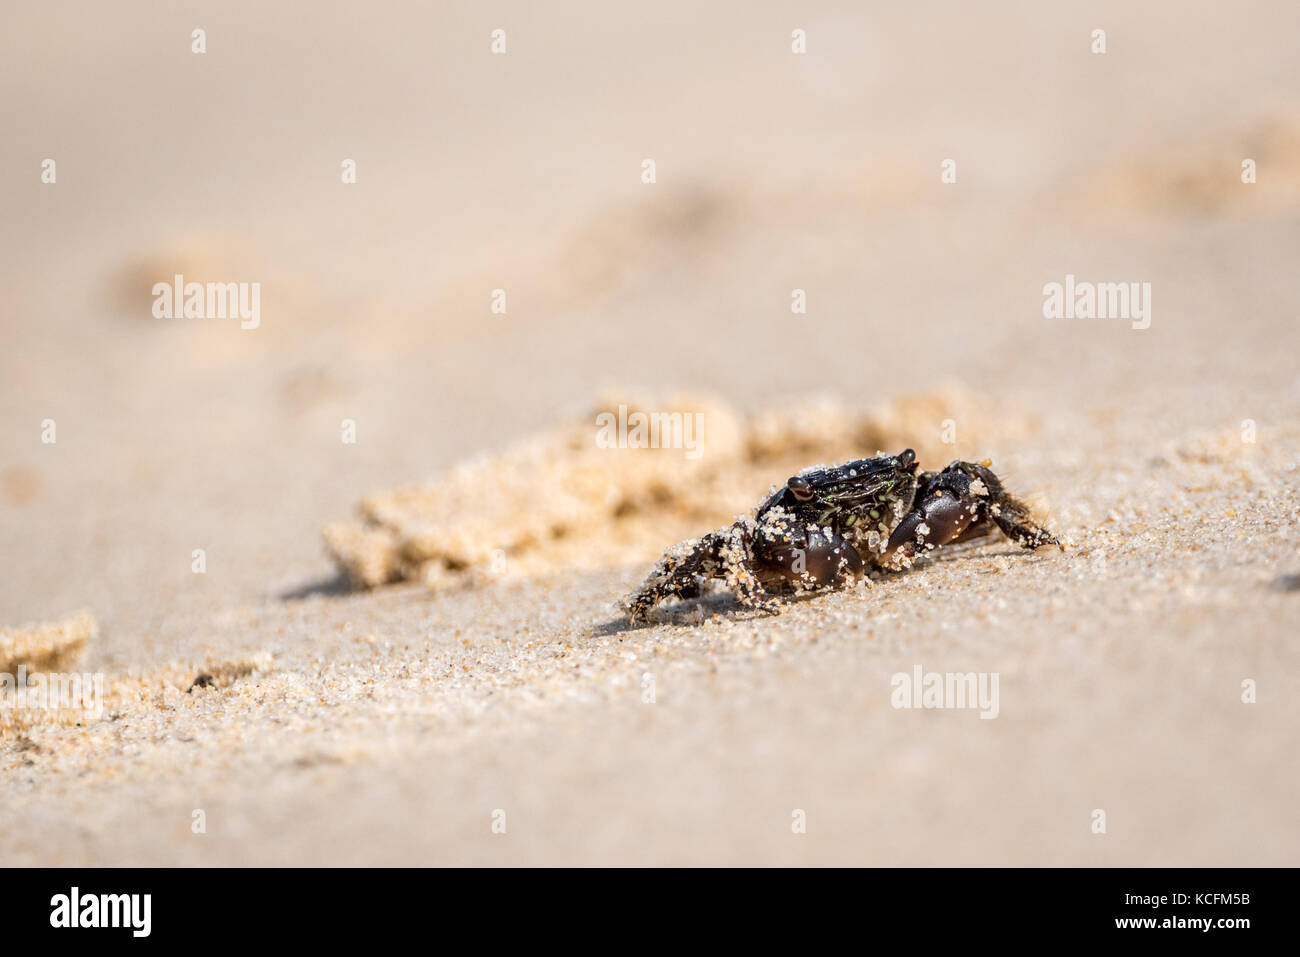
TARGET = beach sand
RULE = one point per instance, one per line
(409, 649)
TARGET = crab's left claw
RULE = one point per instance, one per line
(958, 503)
(938, 520)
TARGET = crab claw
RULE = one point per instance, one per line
(936, 521)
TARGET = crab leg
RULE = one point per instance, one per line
(676, 574)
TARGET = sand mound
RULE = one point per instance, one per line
(49, 696)
(46, 647)
(1200, 178)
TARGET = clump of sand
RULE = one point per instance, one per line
(43, 649)
(1200, 178)
(556, 486)
(48, 646)
(217, 674)
(561, 500)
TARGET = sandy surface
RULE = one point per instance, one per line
(335, 724)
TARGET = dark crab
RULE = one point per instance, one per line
(826, 525)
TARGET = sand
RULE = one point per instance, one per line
(409, 649)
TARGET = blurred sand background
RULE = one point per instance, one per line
(386, 726)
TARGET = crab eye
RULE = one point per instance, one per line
(802, 490)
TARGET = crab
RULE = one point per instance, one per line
(827, 525)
